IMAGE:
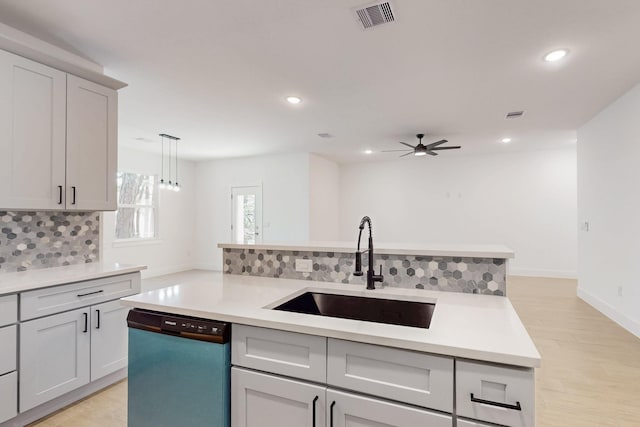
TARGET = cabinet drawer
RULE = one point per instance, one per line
(8, 349)
(8, 310)
(280, 352)
(43, 302)
(402, 375)
(495, 385)
(9, 393)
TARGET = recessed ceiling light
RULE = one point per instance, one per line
(556, 55)
(506, 140)
(368, 151)
(293, 99)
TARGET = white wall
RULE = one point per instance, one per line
(526, 201)
(174, 250)
(609, 199)
(285, 200)
(324, 199)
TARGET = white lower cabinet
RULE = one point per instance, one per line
(9, 393)
(62, 352)
(261, 400)
(54, 356)
(109, 344)
(352, 410)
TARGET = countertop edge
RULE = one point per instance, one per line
(472, 253)
(51, 280)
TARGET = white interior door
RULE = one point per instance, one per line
(246, 214)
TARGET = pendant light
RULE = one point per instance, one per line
(174, 186)
(162, 185)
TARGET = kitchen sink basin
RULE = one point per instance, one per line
(393, 312)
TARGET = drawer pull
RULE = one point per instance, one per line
(515, 407)
(331, 413)
(314, 410)
(90, 293)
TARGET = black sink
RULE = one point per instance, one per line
(394, 312)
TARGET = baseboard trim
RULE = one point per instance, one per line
(556, 274)
(52, 406)
(207, 267)
(147, 274)
(609, 311)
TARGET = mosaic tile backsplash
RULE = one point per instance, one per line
(441, 273)
(30, 240)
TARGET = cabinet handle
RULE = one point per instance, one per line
(73, 195)
(98, 325)
(314, 411)
(515, 407)
(59, 194)
(86, 323)
(331, 413)
(90, 293)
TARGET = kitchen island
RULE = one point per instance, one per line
(479, 337)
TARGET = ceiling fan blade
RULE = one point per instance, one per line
(392, 151)
(408, 145)
(431, 153)
(446, 148)
(435, 144)
(409, 153)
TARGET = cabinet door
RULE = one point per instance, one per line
(352, 410)
(54, 356)
(91, 145)
(108, 338)
(32, 126)
(9, 393)
(261, 400)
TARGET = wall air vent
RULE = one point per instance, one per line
(325, 135)
(514, 115)
(374, 15)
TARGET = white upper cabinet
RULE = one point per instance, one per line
(32, 134)
(58, 139)
(91, 145)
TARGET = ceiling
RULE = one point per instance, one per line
(216, 72)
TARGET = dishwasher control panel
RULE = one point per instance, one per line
(183, 326)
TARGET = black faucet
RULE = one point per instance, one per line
(372, 278)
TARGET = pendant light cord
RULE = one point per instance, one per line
(162, 159)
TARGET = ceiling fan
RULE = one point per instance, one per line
(423, 150)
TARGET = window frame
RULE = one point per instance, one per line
(155, 205)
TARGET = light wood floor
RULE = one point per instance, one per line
(590, 374)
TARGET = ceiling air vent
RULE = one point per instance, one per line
(514, 115)
(325, 135)
(375, 15)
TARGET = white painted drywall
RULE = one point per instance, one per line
(285, 199)
(609, 199)
(526, 201)
(324, 199)
(174, 250)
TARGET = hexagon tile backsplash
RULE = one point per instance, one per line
(30, 240)
(453, 274)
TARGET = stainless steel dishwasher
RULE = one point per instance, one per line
(179, 371)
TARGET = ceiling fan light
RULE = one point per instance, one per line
(420, 153)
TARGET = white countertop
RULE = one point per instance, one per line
(44, 277)
(445, 249)
(477, 327)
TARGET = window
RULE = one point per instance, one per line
(137, 214)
